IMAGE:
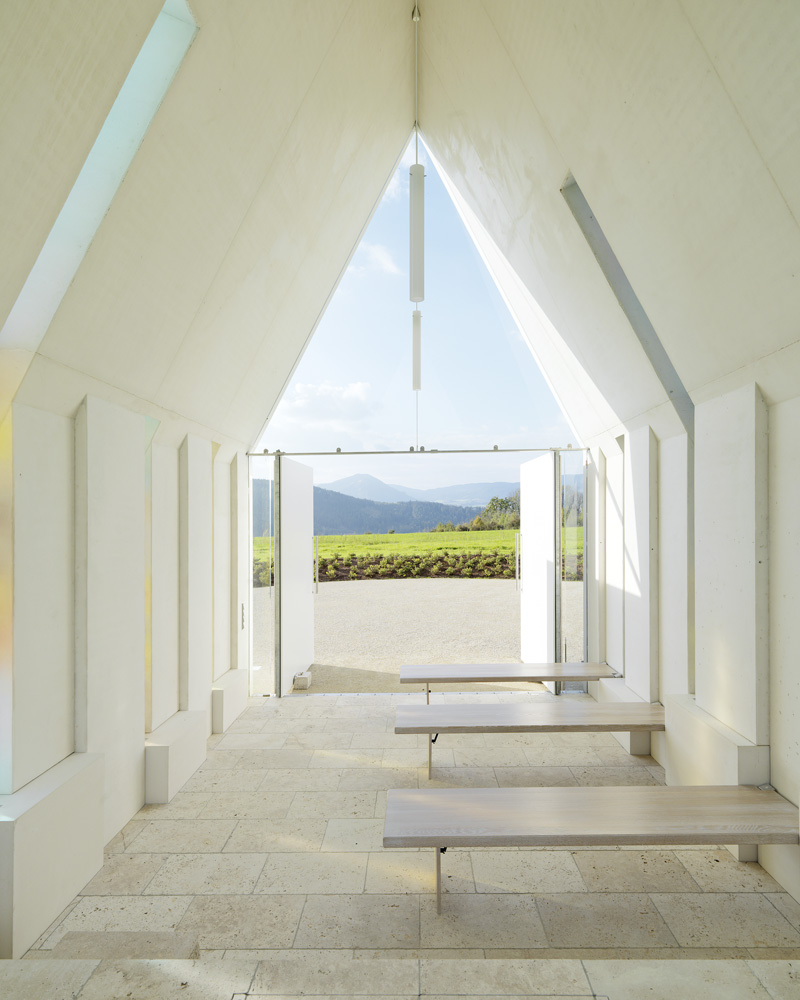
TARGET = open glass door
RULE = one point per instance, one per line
(294, 580)
(538, 532)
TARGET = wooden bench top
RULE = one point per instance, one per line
(556, 716)
(586, 817)
(475, 673)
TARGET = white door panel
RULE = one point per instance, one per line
(537, 528)
(296, 514)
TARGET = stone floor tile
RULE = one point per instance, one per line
(530, 777)
(251, 741)
(418, 757)
(33, 979)
(374, 740)
(633, 871)
(719, 871)
(169, 980)
(124, 875)
(224, 760)
(771, 954)
(524, 871)
(658, 773)
(745, 920)
(268, 759)
(491, 756)
(333, 805)
(266, 836)
(235, 779)
(313, 873)
(366, 921)
(346, 977)
(603, 920)
(584, 740)
(346, 758)
(668, 980)
(481, 921)
(786, 905)
(300, 780)
(128, 833)
(380, 804)
(247, 805)
(183, 836)
(122, 913)
(243, 921)
(592, 776)
(203, 874)
(617, 756)
(40, 941)
(562, 756)
(361, 779)
(506, 978)
(450, 954)
(184, 805)
(456, 777)
(125, 944)
(353, 835)
(406, 872)
(358, 725)
(780, 979)
(292, 954)
(318, 741)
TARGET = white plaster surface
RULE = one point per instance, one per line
(109, 659)
(222, 567)
(641, 563)
(228, 699)
(731, 561)
(165, 562)
(675, 607)
(196, 580)
(42, 724)
(240, 562)
(615, 559)
(172, 754)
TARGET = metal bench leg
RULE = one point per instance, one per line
(430, 754)
(427, 694)
(438, 853)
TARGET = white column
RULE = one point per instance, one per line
(240, 562)
(594, 559)
(222, 567)
(731, 561)
(615, 561)
(641, 563)
(109, 601)
(195, 575)
(165, 573)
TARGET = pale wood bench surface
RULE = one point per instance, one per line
(544, 717)
(587, 817)
(476, 673)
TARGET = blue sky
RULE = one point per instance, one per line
(480, 383)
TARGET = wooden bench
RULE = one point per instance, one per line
(543, 717)
(585, 817)
(503, 673)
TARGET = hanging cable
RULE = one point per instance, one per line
(416, 234)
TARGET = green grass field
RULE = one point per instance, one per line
(414, 544)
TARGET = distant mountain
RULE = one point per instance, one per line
(369, 488)
(467, 495)
(339, 514)
(471, 494)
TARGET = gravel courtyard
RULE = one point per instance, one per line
(364, 629)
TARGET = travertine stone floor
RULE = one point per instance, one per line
(267, 870)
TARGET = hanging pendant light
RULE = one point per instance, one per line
(416, 270)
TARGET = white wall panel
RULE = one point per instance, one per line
(44, 592)
(240, 562)
(675, 591)
(109, 584)
(196, 580)
(222, 567)
(641, 563)
(615, 561)
(165, 604)
(537, 564)
(731, 561)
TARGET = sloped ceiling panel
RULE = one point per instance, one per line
(242, 207)
(61, 68)
(654, 109)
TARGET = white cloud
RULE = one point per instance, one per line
(374, 257)
(311, 410)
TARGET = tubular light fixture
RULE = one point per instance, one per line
(416, 270)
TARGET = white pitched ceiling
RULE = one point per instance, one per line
(264, 162)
